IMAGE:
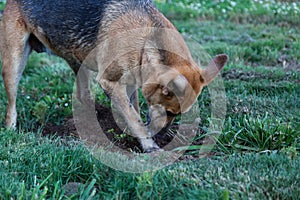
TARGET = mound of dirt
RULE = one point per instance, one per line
(115, 134)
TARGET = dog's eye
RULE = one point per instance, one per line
(170, 94)
(166, 91)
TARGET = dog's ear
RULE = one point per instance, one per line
(213, 68)
(178, 86)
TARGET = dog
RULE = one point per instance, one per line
(133, 46)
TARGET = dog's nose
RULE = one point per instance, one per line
(148, 119)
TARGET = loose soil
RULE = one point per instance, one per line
(115, 134)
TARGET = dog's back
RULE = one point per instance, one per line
(72, 25)
(64, 22)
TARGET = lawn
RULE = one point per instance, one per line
(256, 155)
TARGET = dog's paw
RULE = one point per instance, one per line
(154, 149)
(149, 145)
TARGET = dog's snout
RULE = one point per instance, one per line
(148, 119)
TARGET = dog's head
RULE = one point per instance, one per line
(176, 91)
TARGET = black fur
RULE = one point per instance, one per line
(72, 24)
(65, 22)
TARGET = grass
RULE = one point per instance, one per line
(257, 11)
(35, 167)
(257, 153)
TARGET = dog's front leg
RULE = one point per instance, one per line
(120, 99)
(83, 92)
